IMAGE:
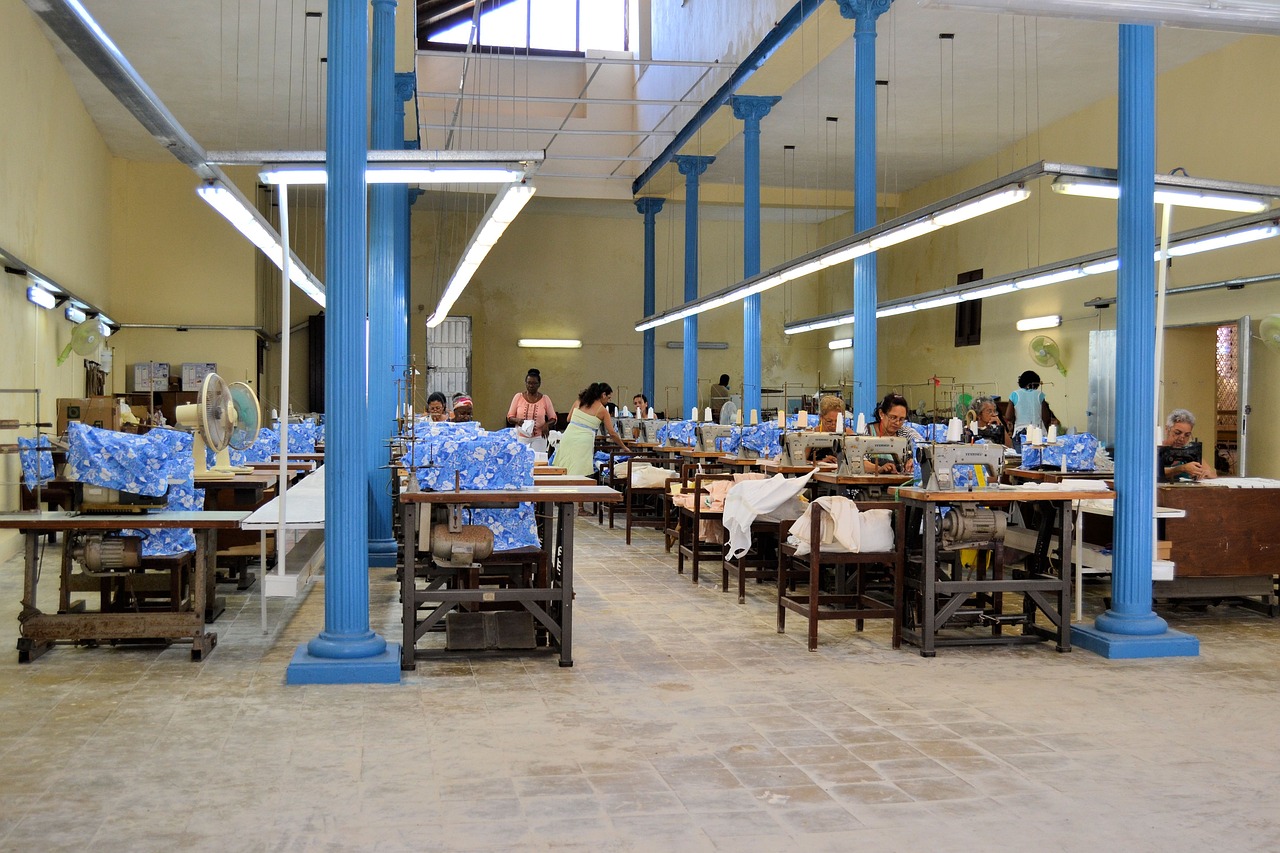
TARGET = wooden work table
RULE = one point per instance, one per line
(38, 631)
(551, 605)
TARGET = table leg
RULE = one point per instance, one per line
(1078, 564)
(564, 550)
(262, 589)
(202, 642)
(930, 575)
(408, 587)
(1064, 589)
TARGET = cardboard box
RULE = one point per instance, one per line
(194, 372)
(1164, 549)
(94, 411)
(149, 376)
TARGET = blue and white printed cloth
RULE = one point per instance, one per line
(684, 433)
(765, 439)
(143, 464)
(171, 541)
(1078, 451)
(37, 464)
(481, 461)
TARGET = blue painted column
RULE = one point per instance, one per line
(1130, 628)
(346, 651)
(865, 368)
(383, 318)
(750, 109)
(650, 207)
(406, 85)
(691, 167)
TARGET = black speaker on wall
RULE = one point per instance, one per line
(315, 362)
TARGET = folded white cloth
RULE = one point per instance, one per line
(844, 528)
(751, 498)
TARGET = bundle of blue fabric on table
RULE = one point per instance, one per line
(765, 439)
(1078, 451)
(145, 464)
(479, 460)
(37, 463)
(731, 442)
(684, 433)
(931, 432)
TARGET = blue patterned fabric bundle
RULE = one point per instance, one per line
(142, 464)
(765, 439)
(37, 465)
(170, 541)
(481, 461)
(684, 433)
(931, 432)
(731, 442)
(1077, 450)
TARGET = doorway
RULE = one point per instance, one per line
(449, 357)
(1203, 374)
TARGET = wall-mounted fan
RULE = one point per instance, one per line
(211, 418)
(86, 339)
(1045, 352)
(1269, 331)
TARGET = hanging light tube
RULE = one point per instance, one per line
(1248, 16)
(253, 226)
(1090, 187)
(840, 343)
(506, 206)
(313, 174)
(1221, 235)
(37, 295)
(1009, 190)
(1030, 324)
(74, 314)
(549, 343)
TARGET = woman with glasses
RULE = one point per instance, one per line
(891, 420)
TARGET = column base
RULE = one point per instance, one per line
(306, 668)
(1170, 644)
(383, 553)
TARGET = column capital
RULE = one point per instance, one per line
(377, 3)
(752, 107)
(691, 165)
(406, 83)
(649, 205)
(863, 12)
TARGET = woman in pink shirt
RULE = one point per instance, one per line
(532, 405)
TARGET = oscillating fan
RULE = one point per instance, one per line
(1044, 352)
(1269, 331)
(86, 338)
(210, 417)
(245, 419)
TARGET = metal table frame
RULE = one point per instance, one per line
(38, 631)
(1041, 590)
(557, 595)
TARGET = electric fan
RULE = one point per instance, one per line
(1269, 331)
(86, 338)
(211, 419)
(1044, 352)
(245, 419)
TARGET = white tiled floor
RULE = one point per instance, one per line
(687, 723)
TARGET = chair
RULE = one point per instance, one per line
(692, 546)
(768, 533)
(642, 506)
(862, 602)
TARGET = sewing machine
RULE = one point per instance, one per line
(100, 499)
(629, 427)
(855, 448)
(649, 429)
(938, 464)
(712, 437)
(799, 447)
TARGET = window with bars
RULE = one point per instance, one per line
(969, 314)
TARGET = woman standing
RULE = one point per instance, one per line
(576, 453)
(532, 405)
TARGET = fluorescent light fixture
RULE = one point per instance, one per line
(1222, 241)
(1108, 265)
(701, 344)
(1172, 195)
(1053, 277)
(549, 343)
(44, 285)
(253, 225)
(1009, 190)
(1049, 321)
(37, 295)
(894, 310)
(984, 292)
(981, 205)
(937, 302)
(1248, 16)
(840, 343)
(506, 205)
(312, 174)
(74, 314)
